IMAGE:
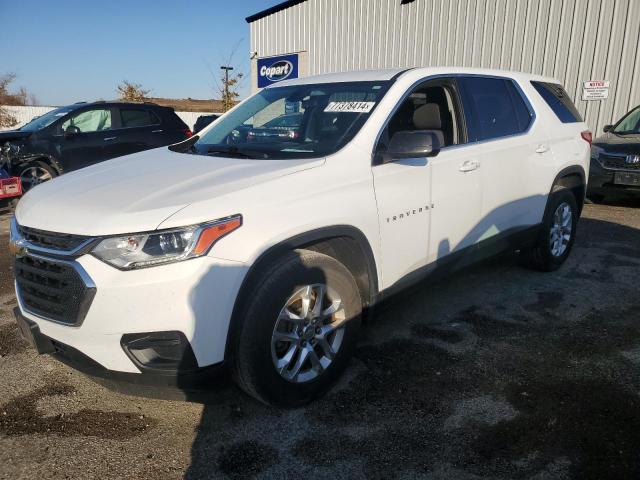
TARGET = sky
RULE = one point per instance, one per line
(66, 51)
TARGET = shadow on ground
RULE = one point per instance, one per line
(538, 379)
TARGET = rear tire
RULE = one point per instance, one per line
(558, 233)
(283, 356)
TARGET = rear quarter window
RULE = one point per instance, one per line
(558, 100)
(138, 117)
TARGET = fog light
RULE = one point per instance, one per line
(163, 351)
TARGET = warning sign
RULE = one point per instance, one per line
(595, 90)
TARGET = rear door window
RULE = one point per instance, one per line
(135, 117)
(494, 108)
(559, 101)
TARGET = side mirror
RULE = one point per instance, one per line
(607, 128)
(71, 131)
(412, 144)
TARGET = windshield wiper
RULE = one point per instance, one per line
(185, 145)
(236, 152)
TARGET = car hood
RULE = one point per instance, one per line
(10, 135)
(138, 192)
(610, 142)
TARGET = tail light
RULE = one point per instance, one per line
(587, 137)
(188, 133)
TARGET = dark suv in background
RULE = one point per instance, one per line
(615, 158)
(79, 135)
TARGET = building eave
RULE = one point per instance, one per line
(272, 10)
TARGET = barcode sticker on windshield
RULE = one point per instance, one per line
(351, 107)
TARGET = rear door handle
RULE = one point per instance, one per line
(469, 165)
(156, 131)
(542, 148)
(108, 139)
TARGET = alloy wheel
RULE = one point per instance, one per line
(561, 229)
(32, 176)
(308, 333)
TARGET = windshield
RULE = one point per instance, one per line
(298, 121)
(45, 120)
(630, 123)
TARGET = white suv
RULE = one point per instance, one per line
(259, 246)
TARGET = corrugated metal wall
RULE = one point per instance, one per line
(572, 40)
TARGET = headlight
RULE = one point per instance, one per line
(141, 250)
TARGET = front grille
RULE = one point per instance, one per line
(52, 241)
(52, 289)
(618, 163)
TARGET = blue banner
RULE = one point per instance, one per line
(275, 69)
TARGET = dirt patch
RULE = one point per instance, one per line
(6, 268)
(246, 459)
(11, 342)
(21, 417)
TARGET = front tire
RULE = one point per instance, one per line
(558, 233)
(36, 172)
(298, 331)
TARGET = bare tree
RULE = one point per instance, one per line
(228, 92)
(7, 98)
(227, 85)
(132, 92)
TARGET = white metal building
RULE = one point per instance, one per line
(576, 41)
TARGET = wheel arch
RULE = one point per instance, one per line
(48, 159)
(573, 178)
(345, 243)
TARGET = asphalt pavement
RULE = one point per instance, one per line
(496, 373)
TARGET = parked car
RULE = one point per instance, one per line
(615, 158)
(284, 126)
(204, 121)
(76, 136)
(262, 258)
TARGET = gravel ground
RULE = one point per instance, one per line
(497, 373)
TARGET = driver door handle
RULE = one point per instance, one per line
(108, 139)
(469, 165)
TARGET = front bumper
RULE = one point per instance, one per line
(186, 380)
(601, 180)
(193, 297)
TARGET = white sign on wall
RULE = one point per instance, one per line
(595, 90)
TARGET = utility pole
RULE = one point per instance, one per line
(226, 99)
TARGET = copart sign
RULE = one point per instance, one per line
(275, 69)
